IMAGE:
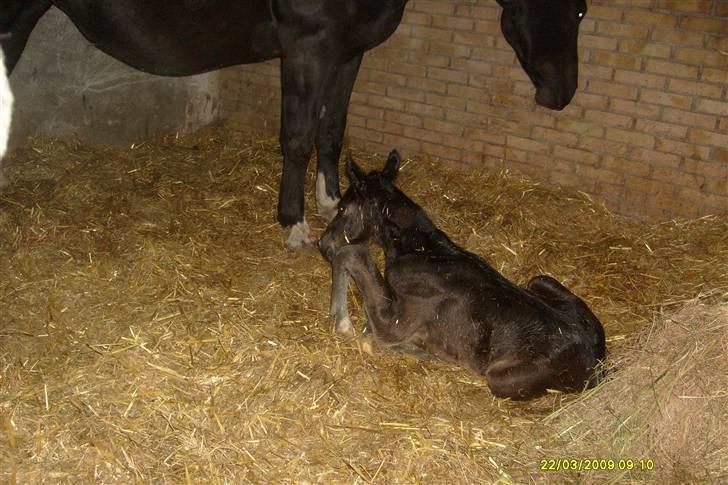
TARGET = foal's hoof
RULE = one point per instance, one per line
(300, 236)
(367, 345)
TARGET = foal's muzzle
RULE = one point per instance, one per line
(328, 251)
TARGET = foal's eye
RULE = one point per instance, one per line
(580, 15)
(341, 209)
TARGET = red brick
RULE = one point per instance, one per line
(406, 93)
(673, 69)
(640, 79)
(650, 18)
(579, 156)
(449, 49)
(688, 118)
(452, 23)
(710, 106)
(674, 147)
(433, 7)
(620, 164)
(705, 24)
(703, 137)
(701, 57)
(694, 6)
(620, 29)
(403, 119)
(666, 99)
(449, 75)
(450, 102)
(443, 127)
(645, 48)
(610, 119)
(425, 110)
(679, 37)
(694, 88)
(526, 144)
(385, 127)
(612, 89)
(620, 61)
(634, 108)
(661, 129)
(428, 85)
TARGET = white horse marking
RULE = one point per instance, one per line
(299, 236)
(326, 205)
(6, 113)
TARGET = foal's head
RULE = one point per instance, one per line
(359, 217)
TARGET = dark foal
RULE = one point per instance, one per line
(439, 299)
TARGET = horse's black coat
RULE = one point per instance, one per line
(320, 44)
(437, 298)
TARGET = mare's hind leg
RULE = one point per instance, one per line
(332, 124)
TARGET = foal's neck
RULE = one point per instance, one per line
(406, 229)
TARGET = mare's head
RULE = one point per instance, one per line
(543, 33)
(359, 219)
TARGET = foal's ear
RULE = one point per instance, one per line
(391, 169)
(353, 171)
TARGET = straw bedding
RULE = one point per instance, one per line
(153, 328)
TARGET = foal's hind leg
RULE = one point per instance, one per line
(332, 123)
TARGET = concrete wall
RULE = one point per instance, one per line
(66, 87)
(647, 132)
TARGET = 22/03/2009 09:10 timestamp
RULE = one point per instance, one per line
(586, 464)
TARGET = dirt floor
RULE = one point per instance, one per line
(153, 327)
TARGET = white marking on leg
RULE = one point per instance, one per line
(6, 113)
(327, 205)
(299, 236)
(344, 327)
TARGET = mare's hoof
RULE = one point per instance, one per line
(300, 236)
(345, 328)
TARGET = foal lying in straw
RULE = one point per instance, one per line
(436, 298)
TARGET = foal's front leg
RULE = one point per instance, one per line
(355, 261)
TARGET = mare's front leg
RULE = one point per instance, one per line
(303, 79)
(331, 128)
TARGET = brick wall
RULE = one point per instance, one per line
(647, 131)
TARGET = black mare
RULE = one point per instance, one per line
(320, 44)
(438, 299)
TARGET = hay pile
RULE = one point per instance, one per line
(153, 327)
(666, 403)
